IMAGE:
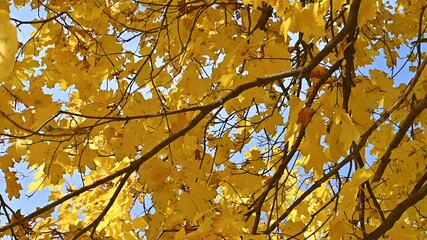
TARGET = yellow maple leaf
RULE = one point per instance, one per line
(8, 45)
(12, 185)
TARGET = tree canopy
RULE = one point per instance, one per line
(214, 119)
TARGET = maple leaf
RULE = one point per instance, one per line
(8, 45)
(318, 72)
(305, 115)
(12, 185)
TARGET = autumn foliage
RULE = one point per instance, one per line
(214, 119)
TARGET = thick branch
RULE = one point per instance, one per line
(351, 24)
(386, 114)
(397, 212)
(63, 199)
(288, 156)
(113, 198)
(403, 128)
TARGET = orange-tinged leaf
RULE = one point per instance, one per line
(305, 115)
(318, 72)
(16, 216)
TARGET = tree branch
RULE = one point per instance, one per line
(261, 81)
(403, 128)
(396, 213)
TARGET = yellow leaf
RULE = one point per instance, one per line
(273, 121)
(226, 79)
(292, 228)
(295, 105)
(180, 234)
(12, 185)
(110, 45)
(55, 172)
(38, 152)
(8, 45)
(22, 146)
(339, 229)
(361, 175)
(369, 11)
(38, 181)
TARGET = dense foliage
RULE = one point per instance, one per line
(215, 119)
